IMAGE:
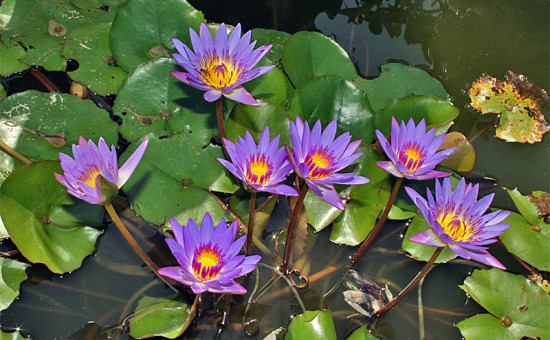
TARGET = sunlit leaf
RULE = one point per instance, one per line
(143, 31)
(13, 336)
(159, 317)
(312, 325)
(175, 186)
(420, 251)
(27, 199)
(11, 56)
(436, 111)
(463, 158)
(362, 333)
(518, 307)
(309, 54)
(518, 101)
(271, 37)
(331, 98)
(399, 81)
(12, 273)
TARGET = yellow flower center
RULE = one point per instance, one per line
(258, 170)
(219, 72)
(90, 175)
(412, 157)
(457, 228)
(320, 163)
(207, 263)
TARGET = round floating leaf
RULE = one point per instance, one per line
(152, 99)
(27, 199)
(159, 317)
(529, 242)
(463, 158)
(423, 252)
(12, 273)
(11, 57)
(143, 30)
(519, 307)
(113, 5)
(175, 186)
(271, 37)
(12, 336)
(309, 54)
(40, 125)
(97, 68)
(312, 325)
(330, 97)
(526, 208)
(435, 111)
(255, 119)
(362, 333)
(400, 81)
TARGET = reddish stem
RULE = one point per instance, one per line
(290, 230)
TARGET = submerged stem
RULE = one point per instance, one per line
(410, 286)
(14, 153)
(219, 118)
(290, 230)
(355, 258)
(250, 231)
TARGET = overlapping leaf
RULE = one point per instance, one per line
(159, 317)
(12, 273)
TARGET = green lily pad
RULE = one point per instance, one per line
(27, 199)
(97, 68)
(271, 37)
(330, 97)
(527, 209)
(518, 307)
(436, 112)
(166, 186)
(11, 57)
(397, 213)
(152, 99)
(423, 252)
(159, 317)
(94, 5)
(309, 54)
(3, 93)
(143, 31)
(362, 333)
(12, 273)
(312, 325)
(41, 125)
(399, 81)
(12, 336)
(463, 158)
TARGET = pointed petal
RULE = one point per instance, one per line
(127, 169)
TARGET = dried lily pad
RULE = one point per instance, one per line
(518, 100)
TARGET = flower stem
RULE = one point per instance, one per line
(355, 258)
(410, 286)
(219, 118)
(14, 153)
(192, 313)
(130, 239)
(250, 231)
(290, 230)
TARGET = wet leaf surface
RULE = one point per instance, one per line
(463, 158)
(155, 316)
(312, 325)
(12, 273)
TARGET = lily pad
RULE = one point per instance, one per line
(518, 101)
(362, 333)
(518, 307)
(399, 81)
(312, 325)
(27, 199)
(271, 37)
(330, 97)
(309, 54)
(423, 252)
(142, 31)
(463, 158)
(163, 186)
(436, 111)
(12, 336)
(154, 316)
(12, 273)
(11, 57)
(97, 68)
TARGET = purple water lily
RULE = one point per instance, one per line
(317, 157)
(207, 257)
(82, 174)
(222, 65)
(458, 221)
(262, 167)
(412, 151)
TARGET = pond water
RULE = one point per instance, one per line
(456, 42)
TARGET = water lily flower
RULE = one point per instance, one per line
(222, 65)
(412, 151)
(458, 221)
(261, 167)
(207, 257)
(317, 157)
(92, 165)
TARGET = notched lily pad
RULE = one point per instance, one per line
(164, 317)
(312, 325)
(518, 101)
(12, 273)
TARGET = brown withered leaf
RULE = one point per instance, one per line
(518, 101)
(541, 200)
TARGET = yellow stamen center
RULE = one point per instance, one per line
(457, 228)
(320, 164)
(90, 175)
(207, 263)
(413, 157)
(219, 72)
(258, 171)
